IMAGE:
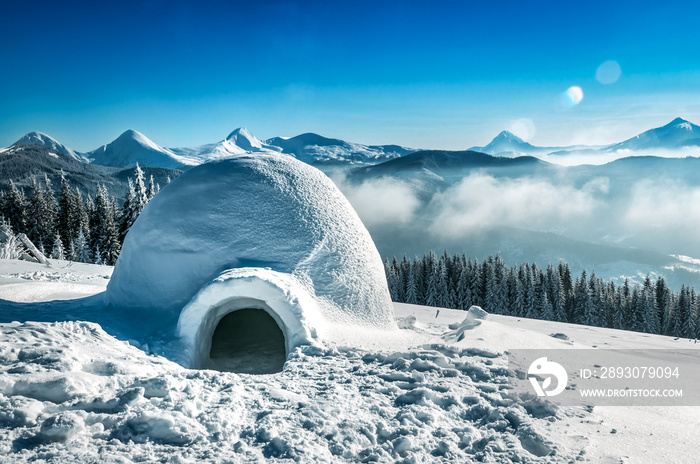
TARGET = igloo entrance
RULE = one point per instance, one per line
(247, 341)
(246, 320)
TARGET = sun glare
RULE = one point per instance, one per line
(608, 72)
(572, 96)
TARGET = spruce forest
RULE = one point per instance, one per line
(550, 294)
(87, 230)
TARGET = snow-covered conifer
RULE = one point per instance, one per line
(58, 250)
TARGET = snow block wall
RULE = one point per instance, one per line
(260, 232)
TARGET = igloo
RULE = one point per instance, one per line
(248, 258)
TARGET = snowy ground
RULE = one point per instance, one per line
(70, 392)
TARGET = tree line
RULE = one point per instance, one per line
(550, 294)
(90, 230)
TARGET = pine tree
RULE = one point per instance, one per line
(152, 190)
(411, 288)
(476, 285)
(652, 322)
(105, 233)
(663, 303)
(126, 218)
(41, 216)
(10, 248)
(82, 249)
(547, 309)
(67, 210)
(13, 206)
(680, 313)
(694, 316)
(392, 280)
(622, 305)
(136, 199)
(98, 255)
(462, 288)
(58, 251)
(433, 295)
(445, 297)
(81, 221)
(592, 305)
(567, 290)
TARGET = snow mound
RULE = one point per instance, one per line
(474, 317)
(260, 232)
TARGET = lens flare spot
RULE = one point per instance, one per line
(572, 96)
(608, 72)
(523, 128)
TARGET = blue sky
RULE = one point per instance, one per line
(422, 74)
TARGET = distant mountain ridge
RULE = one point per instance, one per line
(21, 162)
(678, 134)
(39, 138)
(132, 147)
(507, 142)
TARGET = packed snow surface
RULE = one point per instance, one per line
(72, 392)
(261, 231)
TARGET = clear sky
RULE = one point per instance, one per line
(426, 74)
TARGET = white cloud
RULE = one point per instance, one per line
(381, 202)
(481, 202)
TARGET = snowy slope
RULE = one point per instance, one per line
(48, 141)
(21, 163)
(313, 149)
(677, 134)
(132, 148)
(71, 392)
(242, 138)
(238, 142)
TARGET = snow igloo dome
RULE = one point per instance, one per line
(249, 257)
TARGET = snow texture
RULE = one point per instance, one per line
(69, 392)
(258, 231)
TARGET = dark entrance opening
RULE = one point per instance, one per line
(247, 341)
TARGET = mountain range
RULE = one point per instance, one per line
(22, 162)
(624, 214)
(678, 134)
(679, 137)
(132, 147)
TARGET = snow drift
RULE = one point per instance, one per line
(263, 233)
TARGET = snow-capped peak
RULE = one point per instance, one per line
(39, 138)
(676, 134)
(130, 136)
(507, 136)
(242, 138)
(505, 142)
(132, 147)
(679, 122)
